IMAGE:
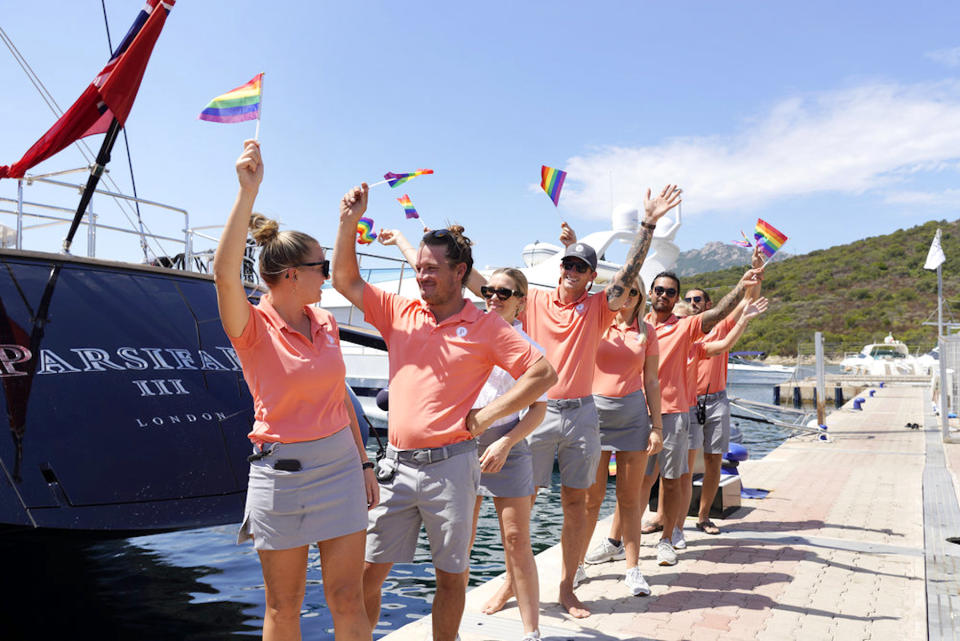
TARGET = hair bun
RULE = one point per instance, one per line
(263, 229)
(457, 231)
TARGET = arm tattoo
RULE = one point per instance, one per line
(631, 267)
(720, 311)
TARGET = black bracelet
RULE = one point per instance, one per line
(367, 465)
(650, 226)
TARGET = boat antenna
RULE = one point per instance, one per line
(126, 143)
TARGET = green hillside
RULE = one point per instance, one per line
(853, 293)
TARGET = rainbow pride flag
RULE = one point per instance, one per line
(237, 105)
(408, 207)
(398, 179)
(365, 234)
(551, 180)
(768, 238)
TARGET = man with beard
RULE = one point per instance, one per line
(442, 350)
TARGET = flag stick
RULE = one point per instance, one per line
(256, 134)
(382, 182)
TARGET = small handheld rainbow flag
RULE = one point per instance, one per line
(768, 238)
(365, 234)
(743, 243)
(237, 105)
(398, 179)
(551, 180)
(408, 207)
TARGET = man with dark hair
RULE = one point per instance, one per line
(442, 350)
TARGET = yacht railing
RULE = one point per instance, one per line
(377, 270)
(48, 215)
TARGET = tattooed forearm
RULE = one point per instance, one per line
(720, 311)
(627, 275)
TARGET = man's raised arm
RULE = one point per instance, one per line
(346, 271)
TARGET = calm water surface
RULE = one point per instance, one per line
(199, 584)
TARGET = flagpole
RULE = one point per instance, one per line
(256, 134)
(940, 301)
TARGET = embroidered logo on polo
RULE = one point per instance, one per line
(580, 307)
(461, 331)
(330, 339)
(579, 248)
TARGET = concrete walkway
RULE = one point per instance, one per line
(836, 551)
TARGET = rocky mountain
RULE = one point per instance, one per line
(715, 256)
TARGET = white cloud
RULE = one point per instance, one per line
(926, 199)
(850, 142)
(948, 57)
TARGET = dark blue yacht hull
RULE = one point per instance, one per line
(126, 407)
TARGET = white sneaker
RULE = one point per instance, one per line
(580, 576)
(637, 584)
(665, 553)
(605, 551)
(679, 543)
(531, 636)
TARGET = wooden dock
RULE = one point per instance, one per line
(851, 543)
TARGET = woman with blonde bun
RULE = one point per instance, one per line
(310, 480)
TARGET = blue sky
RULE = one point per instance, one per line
(832, 121)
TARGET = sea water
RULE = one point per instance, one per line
(199, 584)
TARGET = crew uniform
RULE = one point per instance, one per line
(437, 369)
(298, 390)
(618, 387)
(570, 333)
(515, 478)
(676, 337)
(711, 389)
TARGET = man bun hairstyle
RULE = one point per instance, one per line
(279, 250)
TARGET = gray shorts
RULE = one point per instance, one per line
(515, 478)
(440, 495)
(570, 433)
(716, 431)
(325, 499)
(672, 459)
(624, 422)
(696, 430)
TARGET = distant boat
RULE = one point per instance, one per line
(887, 358)
(743, 368)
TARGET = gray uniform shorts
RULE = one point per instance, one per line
(569, 433)
(716, 430)
(624, 422)
(435, 487)
(325, 499)
(696, 430)
(672, 459)
(515, 478)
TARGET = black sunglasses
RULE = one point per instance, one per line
(634, 291)
(503, 293)
(669, 291)
(578, 265)
(693, 299)
(324, 266)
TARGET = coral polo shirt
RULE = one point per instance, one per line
(676, 337)
(620, 359)
(297, 383)
(712, 372)
(438, 369)
(571, 333)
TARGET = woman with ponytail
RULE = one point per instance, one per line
(310, 480)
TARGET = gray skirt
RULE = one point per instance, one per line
(324, 500)
(624, 422)
(515, 478)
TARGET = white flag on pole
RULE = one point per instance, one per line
(935, 256)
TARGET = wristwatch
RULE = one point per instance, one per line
(367, 465)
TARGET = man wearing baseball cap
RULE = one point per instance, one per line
(569, 322)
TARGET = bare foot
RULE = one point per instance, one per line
(499, 599)
(573, 605)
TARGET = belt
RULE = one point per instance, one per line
(429, 455)
(567, 403)
(713, 395)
